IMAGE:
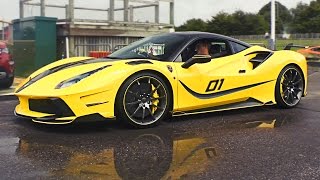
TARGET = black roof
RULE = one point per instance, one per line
(197, 34)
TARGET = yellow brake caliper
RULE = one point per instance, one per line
(156, 101)
(281, 87)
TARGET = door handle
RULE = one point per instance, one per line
(242, 71)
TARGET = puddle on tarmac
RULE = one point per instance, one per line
(267, 124)
(137, 156)
(141, 154)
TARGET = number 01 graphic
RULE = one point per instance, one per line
(215, 85)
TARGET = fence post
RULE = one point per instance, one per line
(131, 13)
(111, 10)
(21, 8)
(2, 31)
(43, 7)
(172, 12)
(67, 12)
(71, 11)
(157, 13)
(126, 10)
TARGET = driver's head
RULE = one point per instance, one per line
(202, 48)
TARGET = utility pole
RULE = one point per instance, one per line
(272, 42)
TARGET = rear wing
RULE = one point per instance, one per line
(291, 45)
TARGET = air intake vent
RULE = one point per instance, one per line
(261, 56)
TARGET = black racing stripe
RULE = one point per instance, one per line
(222, 93)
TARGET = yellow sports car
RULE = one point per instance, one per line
(169, 74)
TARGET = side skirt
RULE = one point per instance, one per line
(240, 105)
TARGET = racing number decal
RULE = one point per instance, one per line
(215, 85)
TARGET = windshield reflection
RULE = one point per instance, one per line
(159, 47)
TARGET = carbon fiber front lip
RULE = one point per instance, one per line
(53, 119)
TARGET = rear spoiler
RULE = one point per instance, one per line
(291, 45)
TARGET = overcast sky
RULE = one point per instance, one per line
(184, 9)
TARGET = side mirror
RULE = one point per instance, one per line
(197, 59)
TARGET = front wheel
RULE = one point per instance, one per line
(143, 100)
(289, 87)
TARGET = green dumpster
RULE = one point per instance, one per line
(34, 41)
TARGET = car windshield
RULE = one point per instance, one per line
(160, 47)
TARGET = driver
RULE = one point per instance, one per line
(202, 48)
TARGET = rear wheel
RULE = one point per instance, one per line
(289, 87)
(143, 101)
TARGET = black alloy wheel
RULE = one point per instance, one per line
(143, 100)
(290, 86)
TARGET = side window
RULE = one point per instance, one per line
(215, 48)
(179, 59)
(238, 47)
(219, 49)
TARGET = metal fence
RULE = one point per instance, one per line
(111, 10)
(281, 36)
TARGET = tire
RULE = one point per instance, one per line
(7, 83)
(289, 87)
(143, 101)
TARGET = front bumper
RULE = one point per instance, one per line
(66, 109)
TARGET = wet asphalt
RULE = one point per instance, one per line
(254, 143)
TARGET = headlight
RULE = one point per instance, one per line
(74, 80)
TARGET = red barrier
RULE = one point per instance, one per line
(99, 54)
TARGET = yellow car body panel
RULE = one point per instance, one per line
(227, 68)
(102, 87)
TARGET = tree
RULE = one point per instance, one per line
(193, 25)
(283, 16)
(242, 23)
(306, 18)
(238, 23)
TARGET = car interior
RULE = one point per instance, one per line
(217, 49)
